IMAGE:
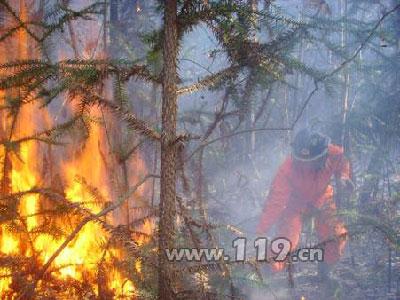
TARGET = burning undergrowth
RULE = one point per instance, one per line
(67, 236)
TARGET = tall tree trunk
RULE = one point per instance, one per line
(299, 78)
(343, 199)
(168, 151)
(252, 143)
(346, 76)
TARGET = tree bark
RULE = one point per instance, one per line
(168, 151)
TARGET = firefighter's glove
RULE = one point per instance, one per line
(347, 185)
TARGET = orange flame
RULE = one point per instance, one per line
(79, 260)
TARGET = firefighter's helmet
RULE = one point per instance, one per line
(309, 145)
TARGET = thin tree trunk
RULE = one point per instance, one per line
(155, 162)
(299, 77)
(343, 199)
(254, 7)
(346, 75)
(286, 112)
(168, 151)
(200, 189)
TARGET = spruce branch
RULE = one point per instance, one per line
(129, 118)
(221, 76)
(48, 136)
(363, 44)
(21, 24)
(71, 15)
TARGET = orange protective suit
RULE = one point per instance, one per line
(296, 190)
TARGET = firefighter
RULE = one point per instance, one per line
(302, 187)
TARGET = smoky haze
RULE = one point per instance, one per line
(237, 177)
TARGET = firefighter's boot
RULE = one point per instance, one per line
(332, 287)
(323, 272)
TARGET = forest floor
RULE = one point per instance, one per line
(364, 276)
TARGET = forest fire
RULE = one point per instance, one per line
(80, 259)
(145, 145)
(80, 175)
